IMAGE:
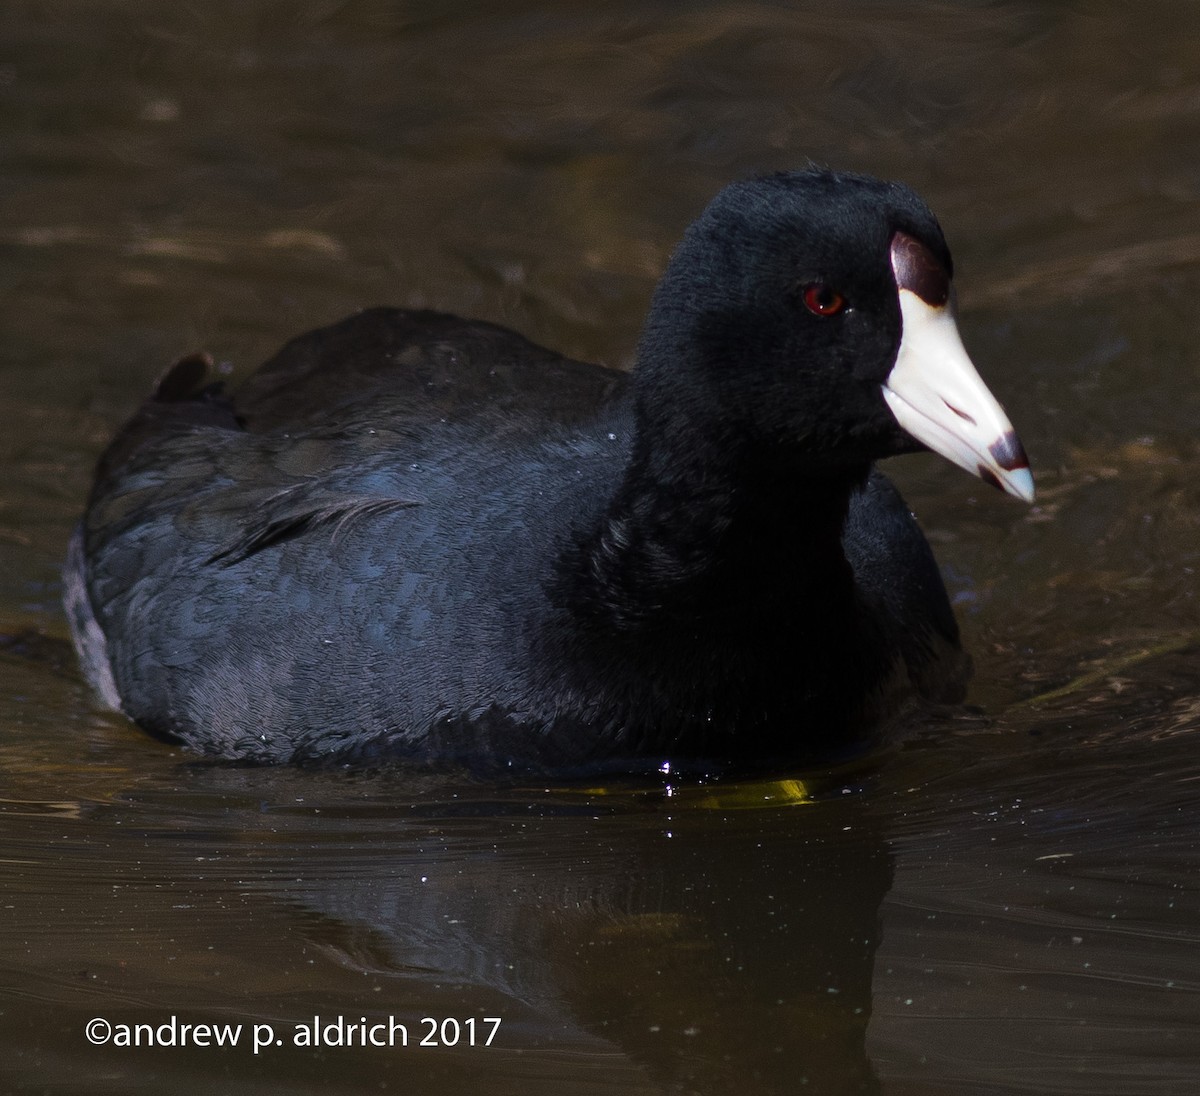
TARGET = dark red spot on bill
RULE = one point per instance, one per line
(1009, 453)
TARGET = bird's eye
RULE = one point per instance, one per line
(822, 299)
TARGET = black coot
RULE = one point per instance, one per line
(414, 535)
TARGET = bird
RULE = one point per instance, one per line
(412, 537)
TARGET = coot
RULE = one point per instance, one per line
(413, 535)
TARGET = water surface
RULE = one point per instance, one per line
(1006, 901)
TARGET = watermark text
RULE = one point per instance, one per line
(317, 1032)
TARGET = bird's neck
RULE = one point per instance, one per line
(707, 537)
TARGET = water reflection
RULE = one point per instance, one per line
(711, 972)
(687, 947)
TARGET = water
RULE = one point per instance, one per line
(1007, 901)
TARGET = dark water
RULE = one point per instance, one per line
(1008, 901)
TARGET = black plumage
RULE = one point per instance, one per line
(414, 535)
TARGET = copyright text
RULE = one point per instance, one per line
(319, 1031)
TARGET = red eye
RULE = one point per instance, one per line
(822, 300)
